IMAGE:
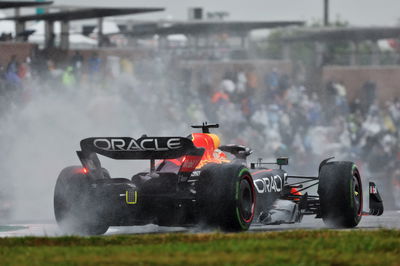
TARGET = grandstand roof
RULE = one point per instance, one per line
(204, 27)
(84, 13)
(15, 4)
(344, 34)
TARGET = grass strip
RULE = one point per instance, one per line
(300, 247)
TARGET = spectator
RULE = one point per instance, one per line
(95, 67)
(12, 73)
(68, 78)
(77, 62)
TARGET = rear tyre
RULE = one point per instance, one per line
(340, 194)
(74, 208)
(227, 197)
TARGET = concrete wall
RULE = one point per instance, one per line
(21, 50)
(387, 79)
(104, 52)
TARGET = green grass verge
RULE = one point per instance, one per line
(320, 247)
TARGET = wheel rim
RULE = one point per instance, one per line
(247, 200)
(357, 195)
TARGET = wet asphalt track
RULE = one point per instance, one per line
(390, 219)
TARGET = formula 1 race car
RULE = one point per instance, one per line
(194, 183)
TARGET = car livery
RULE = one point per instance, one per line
(191, 181)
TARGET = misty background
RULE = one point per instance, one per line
(270, 106)
(356, 12)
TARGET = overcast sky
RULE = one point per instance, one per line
(357, 12)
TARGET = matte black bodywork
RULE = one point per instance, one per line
(168, 195)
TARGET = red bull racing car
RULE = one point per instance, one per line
(192, 182)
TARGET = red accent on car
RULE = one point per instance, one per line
(202, 140)
(175, 161)
(262, 171)
(189, 163)
(295, 192)
(210, 144)
(82, 170)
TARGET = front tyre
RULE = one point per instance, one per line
(227, 196)
(75, 211)
(340, 194)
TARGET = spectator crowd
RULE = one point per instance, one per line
(282, 117)
(275, 115)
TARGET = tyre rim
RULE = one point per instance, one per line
(247, 200)
(357, 195)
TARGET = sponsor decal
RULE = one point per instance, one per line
(189, 163)
(143, 144)
(195, 173)
(268, 184)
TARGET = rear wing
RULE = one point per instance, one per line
(126, 148)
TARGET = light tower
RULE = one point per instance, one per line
(326, 13)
